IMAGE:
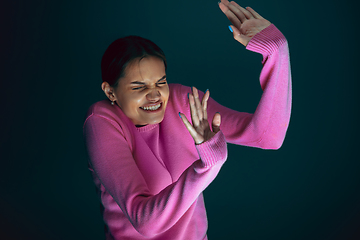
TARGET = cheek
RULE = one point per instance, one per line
(130, 102)
(165, 93)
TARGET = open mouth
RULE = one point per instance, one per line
(152, 108)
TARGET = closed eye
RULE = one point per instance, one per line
(162, 82)
(142, 85)
(138, 88)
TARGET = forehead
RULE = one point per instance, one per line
(145, 69)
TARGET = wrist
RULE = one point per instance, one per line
(267, 40)
(213, 150)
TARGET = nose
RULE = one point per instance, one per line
(153, 95)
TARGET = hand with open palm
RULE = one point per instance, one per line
(200, 128)
(246, 22)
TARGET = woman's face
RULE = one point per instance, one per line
(143, 93)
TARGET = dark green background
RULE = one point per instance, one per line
(50, 75)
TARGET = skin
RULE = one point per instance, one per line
(144, 85)
(246, 22)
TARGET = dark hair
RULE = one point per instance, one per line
(121, 52)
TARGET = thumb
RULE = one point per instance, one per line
(216, 122)
(244, 40)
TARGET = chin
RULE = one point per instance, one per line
(155, 121)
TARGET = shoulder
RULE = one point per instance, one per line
(107, 112)
(177, 88)
(178, 96)
(107, 123)
(178, 92)
(100, 108)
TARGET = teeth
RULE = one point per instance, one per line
(152, 108)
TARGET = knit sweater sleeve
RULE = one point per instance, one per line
(266, 128)
(111, 158)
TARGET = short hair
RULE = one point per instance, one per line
(121, 52)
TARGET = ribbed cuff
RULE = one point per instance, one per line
(213, 151)
(267, 41)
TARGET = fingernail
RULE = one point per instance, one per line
(180, 115)
(230, 29)
(206, 90)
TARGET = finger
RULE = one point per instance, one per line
(238, 12)
(198, 106)
(230, 15)
(204, 103)
(197, 138)
(247, 14)
(226, 2)
(254, 13)
(244, 40)
(193, 110)
(216, 122)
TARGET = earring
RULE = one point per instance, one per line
(112, 103)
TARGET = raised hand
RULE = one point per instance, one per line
(200, 130)
(246, 22)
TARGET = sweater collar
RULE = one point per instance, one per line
(147, 127)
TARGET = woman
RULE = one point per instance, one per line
(149, 162)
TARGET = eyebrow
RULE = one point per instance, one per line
(142, 83)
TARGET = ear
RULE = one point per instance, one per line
(109, 91)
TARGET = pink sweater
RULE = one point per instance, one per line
(150, 179)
